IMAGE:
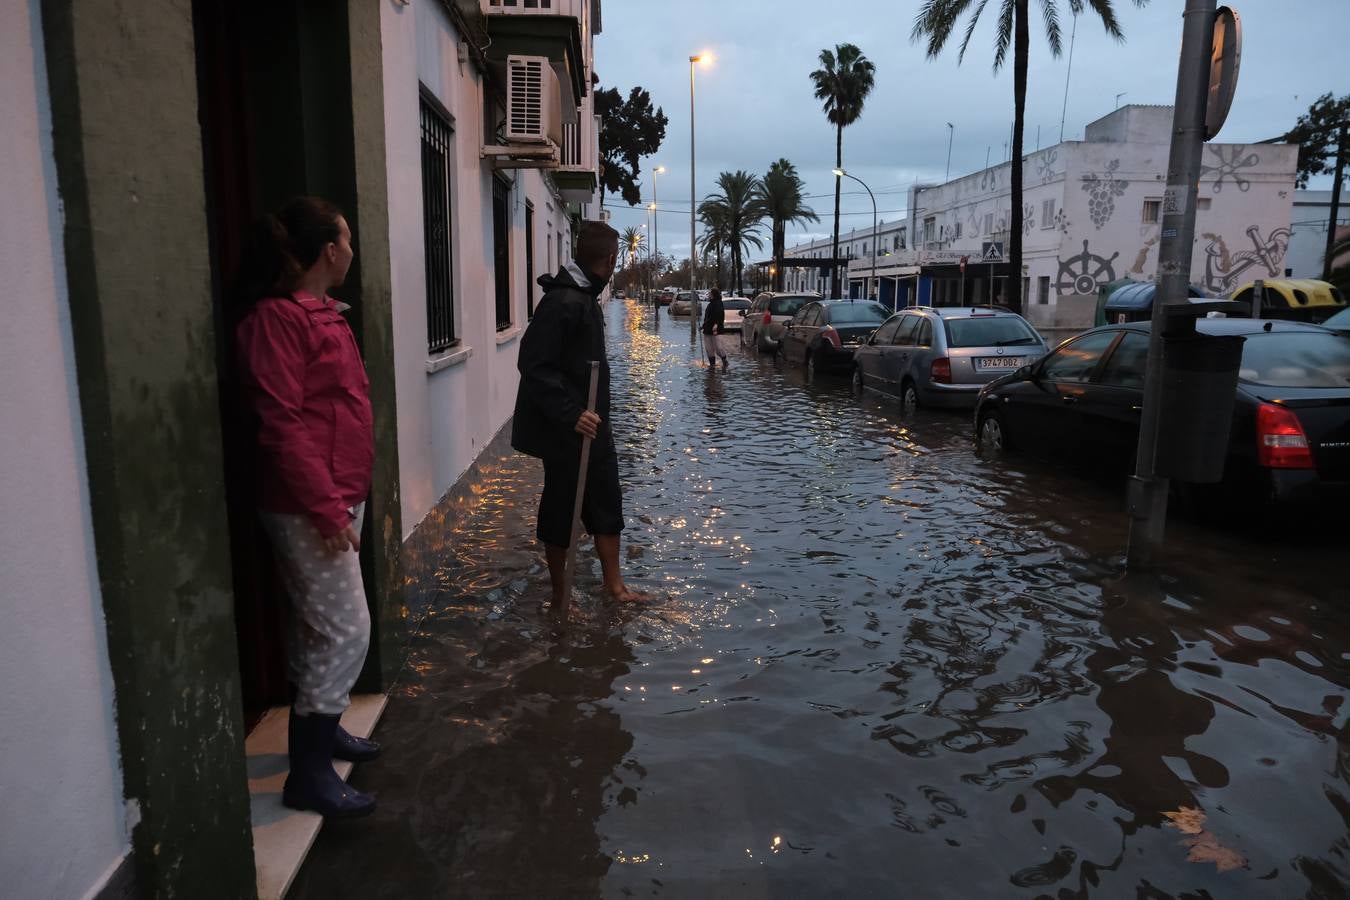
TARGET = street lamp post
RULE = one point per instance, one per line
(656, 220)
(871, 272)
(704, 57)
(951, 133)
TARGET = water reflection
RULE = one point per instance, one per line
(879, 665)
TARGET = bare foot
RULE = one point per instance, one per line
(624, 594)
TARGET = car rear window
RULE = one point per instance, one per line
(736, 304)
(1296, 359)
(857, 313)
(785, 306)
(989, 331)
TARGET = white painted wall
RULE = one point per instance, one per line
(446, 417)
(1308, 244)
(62, 829)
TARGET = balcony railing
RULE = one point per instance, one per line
(575, 8)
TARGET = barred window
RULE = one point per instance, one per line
(501, 250)
(436, 195)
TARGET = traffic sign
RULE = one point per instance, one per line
(1224, 58)
(991, 252)
(964, 260)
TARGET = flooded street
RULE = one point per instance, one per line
(876, 666)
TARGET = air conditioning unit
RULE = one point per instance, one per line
(533, 103)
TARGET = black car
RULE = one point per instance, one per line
(824, 334)
(1290, 437)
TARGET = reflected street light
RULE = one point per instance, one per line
(706, 58)
(840, 173)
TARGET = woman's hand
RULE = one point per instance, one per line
(588, 424)
(346, 539)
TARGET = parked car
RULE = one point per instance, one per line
(1339, 322)
(763, 326)
(942, 357)
(824, 334)
(680, 306)
(1290, 437)
(665, 297)
(736, 308)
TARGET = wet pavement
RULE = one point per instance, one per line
(878, 666)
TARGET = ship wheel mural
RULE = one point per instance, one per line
(1082, 274)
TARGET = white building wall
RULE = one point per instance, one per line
(452, 404)
(62, 830)
(1308, 242)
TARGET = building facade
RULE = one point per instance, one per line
(1308, 241)
(1091, 214)
(140, 601)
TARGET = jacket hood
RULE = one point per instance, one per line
(570, 276)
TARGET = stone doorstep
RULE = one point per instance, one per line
(282, 837)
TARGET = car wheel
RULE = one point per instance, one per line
(909, 397)
(991, 435)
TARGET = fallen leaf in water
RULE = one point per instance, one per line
(1204, 846)
(634, 551)
(1187, 820)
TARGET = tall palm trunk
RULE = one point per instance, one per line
(1021, 49)
(778, 240)
(835, 293)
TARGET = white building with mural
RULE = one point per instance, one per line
(1091, 214)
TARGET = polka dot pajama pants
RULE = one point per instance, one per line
(330, 622)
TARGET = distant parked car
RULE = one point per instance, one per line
(763, 326)
(942, 356)
(665, 297)
(1339, 322)
(824, 334)
(1290, 437)
(680, 306)
(736, 308)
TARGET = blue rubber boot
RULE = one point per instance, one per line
(312, 784)
(350, 748)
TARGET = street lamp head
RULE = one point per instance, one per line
(650, 206)
(659, 170)
(705, 58)
(839, 173)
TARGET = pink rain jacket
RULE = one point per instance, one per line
(303, 375)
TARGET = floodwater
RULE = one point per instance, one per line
(877, 666)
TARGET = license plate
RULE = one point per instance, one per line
(999, 362)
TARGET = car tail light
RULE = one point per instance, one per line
(768, 317)
(941, 370)
(1280, 440)
(829, 334)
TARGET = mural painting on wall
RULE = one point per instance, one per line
(1045, 165)
(1082, 274)
(1229, 162)
(1141, 258)
(1102, 191)
(1224, 271)
(1028, 218)
(991, 179)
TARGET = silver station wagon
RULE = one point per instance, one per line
(942, 356)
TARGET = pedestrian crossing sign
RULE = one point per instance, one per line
(992, 252)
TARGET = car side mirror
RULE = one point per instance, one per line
(1028, 372)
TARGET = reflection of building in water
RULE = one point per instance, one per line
(1092, 212)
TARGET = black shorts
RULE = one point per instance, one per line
(601, 507)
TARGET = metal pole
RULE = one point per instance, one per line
(872, 271)
(1148, 491)
(951, 132)
(693, 254)
(1068, 74)
(1335, 204)
(570, 566)
(656, 219)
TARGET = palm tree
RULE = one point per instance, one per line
(630, 243)
(731, 219)
(780, 200)
(934, 25)
(843, 82)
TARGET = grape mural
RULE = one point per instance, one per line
(1102, 191)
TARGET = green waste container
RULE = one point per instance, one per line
(1200, 374)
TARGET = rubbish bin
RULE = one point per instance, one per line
(1200, 374)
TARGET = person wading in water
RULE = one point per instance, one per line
(714, 324)
(304, 379)
(565, 335)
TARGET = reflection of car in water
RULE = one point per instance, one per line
(1299, 300)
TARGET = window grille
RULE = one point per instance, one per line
(436, 218)
(501, 250)
(529, 261)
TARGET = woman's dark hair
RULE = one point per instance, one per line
(281, 246)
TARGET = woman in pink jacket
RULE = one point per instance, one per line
(304, 378)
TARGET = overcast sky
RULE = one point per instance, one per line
(755, 101)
